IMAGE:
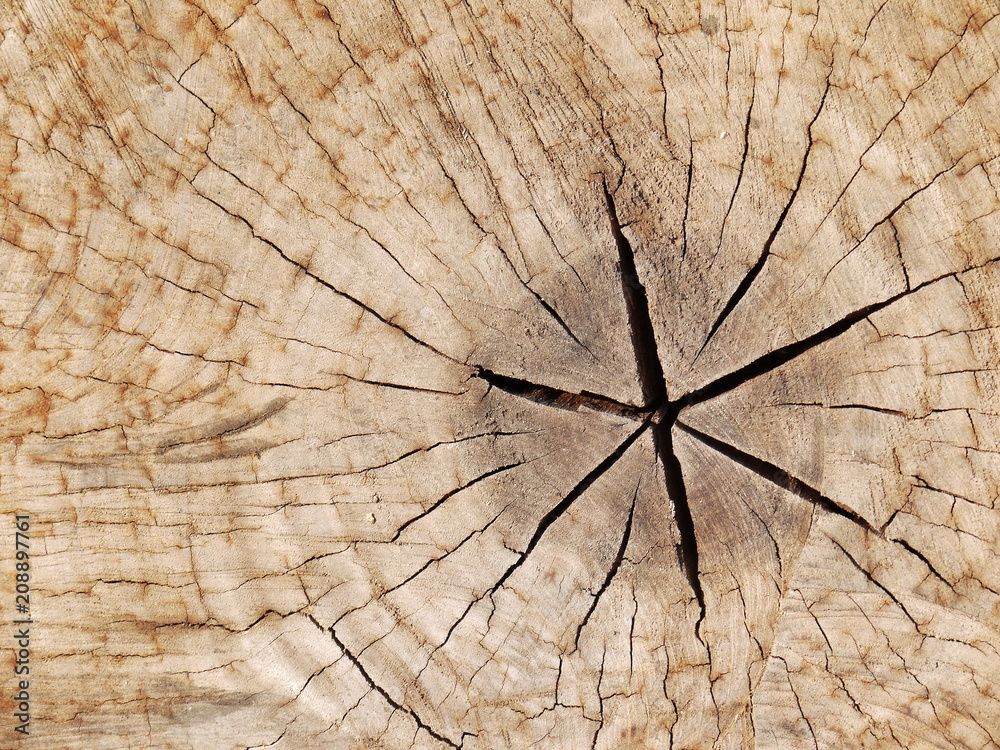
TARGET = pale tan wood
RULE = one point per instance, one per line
(500, 375)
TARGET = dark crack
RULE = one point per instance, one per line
(612, 571)
(654, 387)
(323, 282)
(743, 163)
(654, 391)
(687, 548)
(558, 318)
(868, 575)
(782, 355)
(441, 500)
(778, 476)
(687, 195)
(383, 692)
(549, 396)
(751, 275)
(554, 514)
(559, 509)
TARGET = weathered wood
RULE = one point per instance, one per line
(525, 374)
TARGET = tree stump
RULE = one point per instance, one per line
(421, 374)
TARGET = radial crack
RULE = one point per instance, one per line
(441, 500)
(385, 694)
(654, 387)
(654, 391)
(743, 163)
(550, 518)
(323, 282)
(558, 510)
(558, 318)
(612, 571)
(778, 476)
(778, 357)
(543, 394)
(752, 274)
(867, 574)
(687, 195)
(687, 547)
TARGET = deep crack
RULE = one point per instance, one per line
(661, 413)
(782, 355)
(654, 386)
(687, 548)
(657, 411)
(549, 396)
(778, 476)
(654, 391)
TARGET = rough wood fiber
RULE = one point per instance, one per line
(503, 374)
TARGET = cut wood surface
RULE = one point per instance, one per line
(537, 373)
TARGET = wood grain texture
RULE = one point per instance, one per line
(424, 374)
